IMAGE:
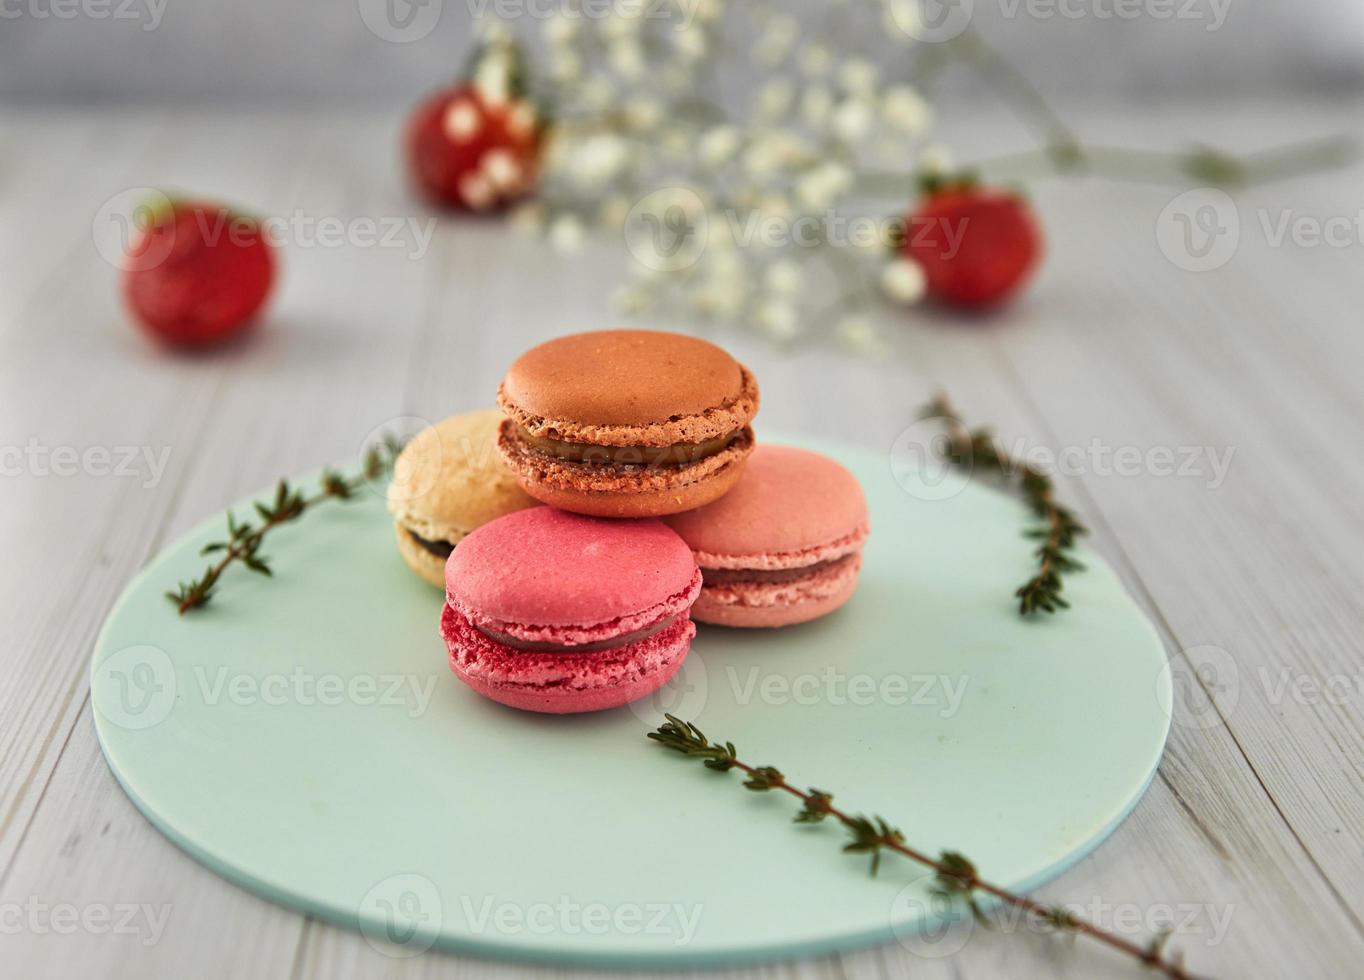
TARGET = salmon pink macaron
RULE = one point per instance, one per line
(558, 612)
(627, 423)
(784, 546)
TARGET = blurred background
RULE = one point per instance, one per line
(1167, 236)
(320, 52)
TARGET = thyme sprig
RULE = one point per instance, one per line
(244, 538)
(954, 876)
(1058, 528)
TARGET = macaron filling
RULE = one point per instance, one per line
(441, 549)
(712, 577)
(611, 643)
(678, 454)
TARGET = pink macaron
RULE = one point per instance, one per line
(558, 612)
(784, 546)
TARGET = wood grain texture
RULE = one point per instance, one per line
(1251, 838)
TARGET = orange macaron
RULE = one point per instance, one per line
(627, 423)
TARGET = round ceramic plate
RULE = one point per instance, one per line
(303, 737)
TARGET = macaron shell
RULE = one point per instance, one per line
(430, 567)
(655, 503)
(767, 604)
(547, 568)
(622, 377)
(792, 507)
(449, 479)
(564, 683)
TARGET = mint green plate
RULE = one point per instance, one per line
(303, 738)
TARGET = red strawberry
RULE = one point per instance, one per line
(467, 151)
(978, 246)
(197, 273)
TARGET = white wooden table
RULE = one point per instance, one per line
(1256, 820)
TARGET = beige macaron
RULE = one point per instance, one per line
(448, 481)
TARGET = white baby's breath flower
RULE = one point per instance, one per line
(613, 213)
(502, 169)
(561, 30)
(491, 78)
(852, 120)
(935, 158)
(771, 151)
(644, 113)
(708, 11)
(775, 42)
(676, 144)
(598, 159)
(902, 21)
(815, 60)
(816, 104)
(903, 108)
(718, 145)
(528, 218)
(597, 94)
(858, 76)
(627, 58)
(565, 65)
(821, 185)
(903, 281)
(631, 299)
(566, 234)
(621, 25)
(720, 298)
(857, 332)
(783, 277)
(776, 318)
(691, 42)
(725, 263)
(462, 121)
(774, 99)
(774, 205)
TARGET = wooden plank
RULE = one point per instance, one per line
(1255, 820)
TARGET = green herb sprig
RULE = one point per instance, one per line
(954, 875)
(244, 538)
(1058, 528)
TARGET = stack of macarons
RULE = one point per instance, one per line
(663, 509)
